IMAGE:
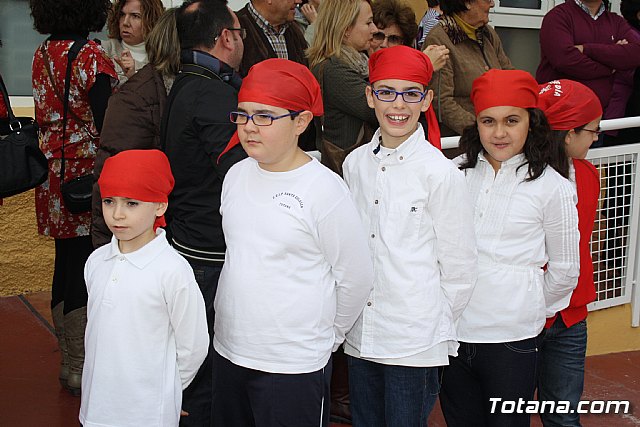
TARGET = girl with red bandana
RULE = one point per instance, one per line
(574, 114)
(526, 227)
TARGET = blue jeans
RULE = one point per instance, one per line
(483, 371)
(561, 369)
(196, 399)
(392, 396)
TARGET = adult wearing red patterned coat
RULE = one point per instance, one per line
(92, 78)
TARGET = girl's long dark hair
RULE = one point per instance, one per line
(540, 148)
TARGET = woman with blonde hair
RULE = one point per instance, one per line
(344, 30)
(130, 23)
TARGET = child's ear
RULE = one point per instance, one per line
(369, 93)
(302, 121)
(568, 138)
(161, 208)
(427, 101)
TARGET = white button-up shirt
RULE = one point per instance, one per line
(146, 335)
(521, 226)
(417, 210)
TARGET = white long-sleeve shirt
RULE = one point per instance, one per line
(297, 270)
(146, 335)
(416, 208)
(520, 226)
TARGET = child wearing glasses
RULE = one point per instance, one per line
(297, 270)
(574, 112)
(417, 211)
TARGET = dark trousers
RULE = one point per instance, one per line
(245, 397)
(68, 273)
(561, 370)
(196, 399)
(390, 395)
(484, 371)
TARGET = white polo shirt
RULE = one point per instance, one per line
(146, 335)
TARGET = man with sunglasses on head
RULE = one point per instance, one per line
(195, 130)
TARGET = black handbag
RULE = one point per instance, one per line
(22, 165)
(77, 192)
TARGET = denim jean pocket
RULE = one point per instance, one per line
(527, 346)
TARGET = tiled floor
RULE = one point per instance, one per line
(30, 395)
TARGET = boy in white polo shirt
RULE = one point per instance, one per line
(146, 325)
(416, 207)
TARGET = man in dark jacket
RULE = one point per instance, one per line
(271, 32)
(195, 130)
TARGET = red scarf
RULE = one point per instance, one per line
(588, 189)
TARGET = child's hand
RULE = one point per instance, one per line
(183, 413)
(126, 62)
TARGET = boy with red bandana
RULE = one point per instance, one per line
(146, 325)
(417, 211)
(297, 272)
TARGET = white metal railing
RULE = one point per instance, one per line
(615, 240)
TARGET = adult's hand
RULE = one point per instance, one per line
(126, 62)
(309, 12)
(438, 54)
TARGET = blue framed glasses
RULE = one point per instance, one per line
(258, 119)
(409, 96)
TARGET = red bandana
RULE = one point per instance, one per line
(143, 175)
(513, 88)
(280, 83)
(568, 104)
(405, 63)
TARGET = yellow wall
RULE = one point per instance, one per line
(419, 6)
(610, 331)
(26, 259)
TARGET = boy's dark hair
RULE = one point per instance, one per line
(433, 3)
(389, 12)
(69, 16)
(540, 147)
(151, 11)
(629, 9)
(449, 7)
(202, 25)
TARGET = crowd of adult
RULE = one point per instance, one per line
(170, 80)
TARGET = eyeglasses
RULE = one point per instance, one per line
(258, 119)
(596, 132)
(392, 40)
(409, 96)
(243, 32)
